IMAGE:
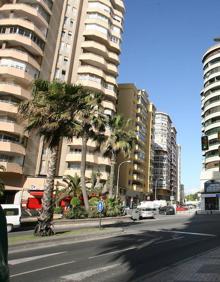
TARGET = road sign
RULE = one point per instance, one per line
(171, 198)
(100, 206)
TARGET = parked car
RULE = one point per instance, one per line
(167, 210)
(181, 208)
(4, 272)
(13, 216)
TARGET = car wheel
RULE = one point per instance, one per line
(9, 227)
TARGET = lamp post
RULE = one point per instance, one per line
(119, 166)
(155, 192)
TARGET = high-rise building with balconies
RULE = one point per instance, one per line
(165, 175)
(135, 179)
(210, 99)
(28, 34)
(76, 41)
(96, 29)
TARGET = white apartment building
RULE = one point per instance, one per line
(165, 157)
(210, 99)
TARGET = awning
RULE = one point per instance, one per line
(36, 193)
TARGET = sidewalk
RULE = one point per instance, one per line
(204, 267)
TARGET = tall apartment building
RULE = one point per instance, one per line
(28, 33)
(76, 41)
(136, 178)
(210, 97)
(165, 157)
(179, 197)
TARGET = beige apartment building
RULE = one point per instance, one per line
(28, 33)
(76, 41)
(135, 179)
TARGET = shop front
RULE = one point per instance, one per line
(210, 199)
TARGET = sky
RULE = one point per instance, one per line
(162, 49)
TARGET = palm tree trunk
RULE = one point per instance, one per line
(112, 176)
(47, 202)
(83, 172)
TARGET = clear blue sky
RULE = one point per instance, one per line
(162, 48)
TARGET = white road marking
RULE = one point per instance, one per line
(86, 274)
(114, 252)
(22, 260)
(189, 233)
(172, 239)
(148, 243)
(42, 268)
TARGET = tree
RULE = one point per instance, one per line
(72, 188)
(121, 139)
(2, 185)
(51, 113)
(92, 121)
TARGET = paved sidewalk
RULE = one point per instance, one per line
(204, 267)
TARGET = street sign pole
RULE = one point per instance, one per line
(100, 208)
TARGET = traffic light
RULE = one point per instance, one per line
(205, 143)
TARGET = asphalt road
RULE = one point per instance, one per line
(146, 248)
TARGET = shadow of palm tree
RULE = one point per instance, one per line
(145, 251)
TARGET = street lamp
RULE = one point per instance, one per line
(128, 161)
(155, 192)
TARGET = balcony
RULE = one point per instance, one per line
(23, 41)
(93, 85)
(8, 107)
(24, 11)
(21, 55)
(16, 75)
(109, 105)
(12, 167)
(26, 24)
(7, 126)
(16, 90)
(90, 158)
(11, 147)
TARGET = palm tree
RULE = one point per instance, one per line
(2, 185)
(91, 126)
(72, 187)
(121, 139)
(52, 114)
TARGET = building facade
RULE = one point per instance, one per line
(76, 41)
(165, 158)
(136, 178)
(28, 32)
(210, 97)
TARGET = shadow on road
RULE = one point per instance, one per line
(152, 250)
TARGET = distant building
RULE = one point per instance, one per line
(136, 178)
(165, 158)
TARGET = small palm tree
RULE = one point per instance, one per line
(121, 139)
(71, 188)
(52, 114)
(91, 126)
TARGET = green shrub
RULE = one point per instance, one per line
(93, 213)
(76, 213)
(93, 201)
(113, 207)
(75, 202)
(58, 210)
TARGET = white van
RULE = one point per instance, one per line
(13, 215)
